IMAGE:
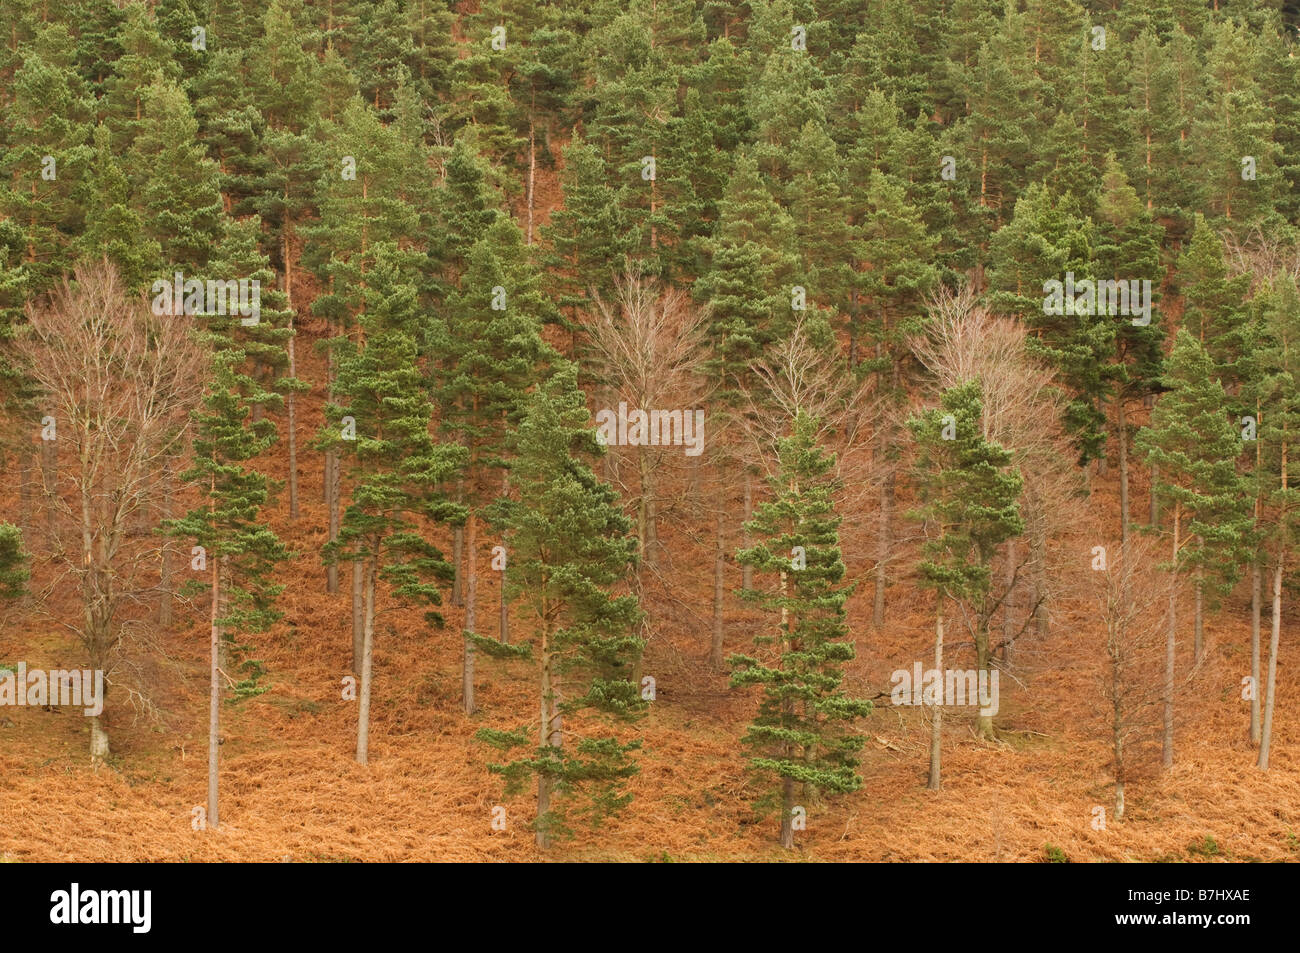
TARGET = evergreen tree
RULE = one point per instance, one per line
(801, 732)
(175, 184)
(113, 229)
(396, 470)
(968, 493)
(490, 353)
(571, 548)
(1195, 446)
(242, 551)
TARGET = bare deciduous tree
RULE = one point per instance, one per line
(119, 381)
(650, 342)
(1131, 596)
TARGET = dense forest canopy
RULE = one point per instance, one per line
(849, 386)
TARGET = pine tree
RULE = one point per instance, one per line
(47, 154)
(1213, 310)
(968, 494)
(1279, 425)
(571, 549)
(1126, 250)
(113, 229)
(490, 353)
(1195, 446)
(176, 185)
(397, 469)
(242, 551)
(801, 732)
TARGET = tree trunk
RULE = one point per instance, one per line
(1256, 585)
(358, 615)
(214, 698)
(471, 598)
(457, 554)
(165, 554)
(1122, 427)
(719, 566)
(883, 548)
(1198, 628)
(936, 720)
(332, 501)
(1266, 733)
(647, 537)
(983, 663)
(532, 171)
(1167, 742)
(550, 736)
(747, 572)
(50, 478)
(787, 813)
(1008, 602)
(367, 661)
(1117, 733)
(1153, 513)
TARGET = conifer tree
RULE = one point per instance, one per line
(571, 551)
(490, 353)
(241, 551)
(397, 469)
(175, 184)
(1195, 446)
(47, 154)
(1279, 394)
(801, 734)
(968, 491)
(113, 229)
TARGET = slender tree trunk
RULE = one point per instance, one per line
(1266, 733)
(292, 399)
(165, 553)
(50, 478)
(1167, 742)
(936, 720)
(457, 554)
(532, 170)
(214, 698)
(1122, 427)
(1256, 585)
(27, 466)
(884, 547)
(1198, 627)
(647, 511)
(550, 736)
(747, 572)
(471, 599)
(331, 486)
(332, 496)
(983, 663)
(358, 615)
(1008, 602)
(1153, 512)
(367, 661)
(719, 566)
